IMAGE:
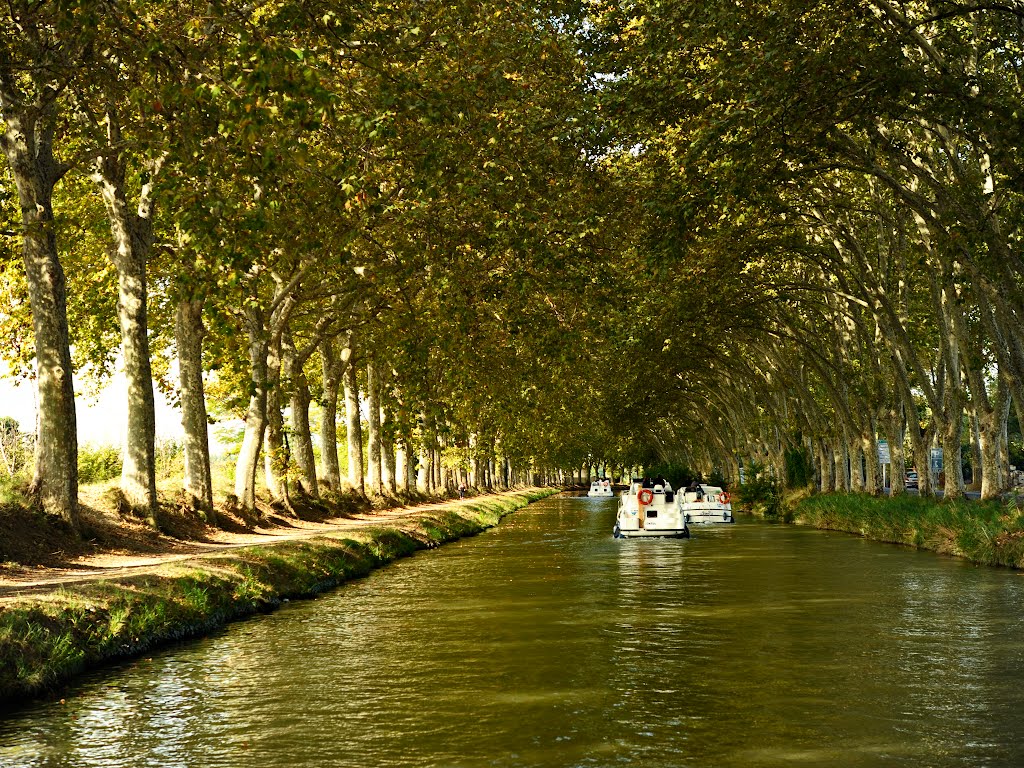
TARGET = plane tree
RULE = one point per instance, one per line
(45, 49)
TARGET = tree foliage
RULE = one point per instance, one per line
(636, 234)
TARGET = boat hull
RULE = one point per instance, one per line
(649, 533)
(706, 505)
(709, 517)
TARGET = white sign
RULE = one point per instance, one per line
(883, 452)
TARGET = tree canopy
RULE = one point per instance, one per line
(532, 237)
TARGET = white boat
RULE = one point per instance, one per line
(600, 488)
(647, 509)
(705, 505)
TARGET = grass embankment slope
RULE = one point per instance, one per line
(47, 638)
(988, 533)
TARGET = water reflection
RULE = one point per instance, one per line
(548, 643)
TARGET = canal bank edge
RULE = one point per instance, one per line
(986, 533)
(46, 640)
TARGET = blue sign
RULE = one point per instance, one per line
(935, 460)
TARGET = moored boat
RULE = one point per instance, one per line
(600, 488)
(648, 508)
(705, 505)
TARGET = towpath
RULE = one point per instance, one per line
(35, 581)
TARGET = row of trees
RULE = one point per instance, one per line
(853, 173)
(526, 236)
(291, 201)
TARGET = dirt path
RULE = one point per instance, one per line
(106, 565)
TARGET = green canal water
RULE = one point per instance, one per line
(546, 642)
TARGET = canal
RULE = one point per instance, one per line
(546, 642)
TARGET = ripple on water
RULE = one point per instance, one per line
(531, 645)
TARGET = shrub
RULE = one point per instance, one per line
(760, 493)
(170, 458)
(717, 479)
(15, 448)
(677, 474)
(97, 464)
(799, 468)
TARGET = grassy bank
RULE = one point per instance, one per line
(989, 533)
(47, 639)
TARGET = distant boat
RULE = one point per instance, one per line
(601, 488)
(705, 505)
(649, 509)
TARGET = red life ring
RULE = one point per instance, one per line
(724, 497)
(645, 496)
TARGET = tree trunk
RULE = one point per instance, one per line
(305, 457)
(991, 428)
(27, 143)
(855, 450)
(256, 415)
(952, 431)
(408, 463)
(333, 367)
(474, 460)
(826, 483)
(402, 466)
(188, 335)
(446, 481)
(921, 442)
(373, 448)
(893, 427)
(276, 457)
(132, 239)
(872, 468)
(976, 459)
(354, 429)
(840, 463)
(388, 465)
(424, 468)
(302, 439)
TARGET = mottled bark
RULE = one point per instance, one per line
(872, 467)
(131, 232)
(953, 487)
(27, 142)
(264, 326)
(188, 335)
(373, 447)
(354, 430)
(855, 448)
(446, 479)
(892, 423)
(975, 450)
(826, 468)
(305, 457)
(425, 463)
(840, 460)
(333, 368)
(406, 461)
(991, 430)
(300, 398)
(388, 464)
(276, 457)
(474, 460)
(256, 414)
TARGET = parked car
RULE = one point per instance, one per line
(910, 480)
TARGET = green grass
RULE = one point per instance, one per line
(46, 641)
(990, 533)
